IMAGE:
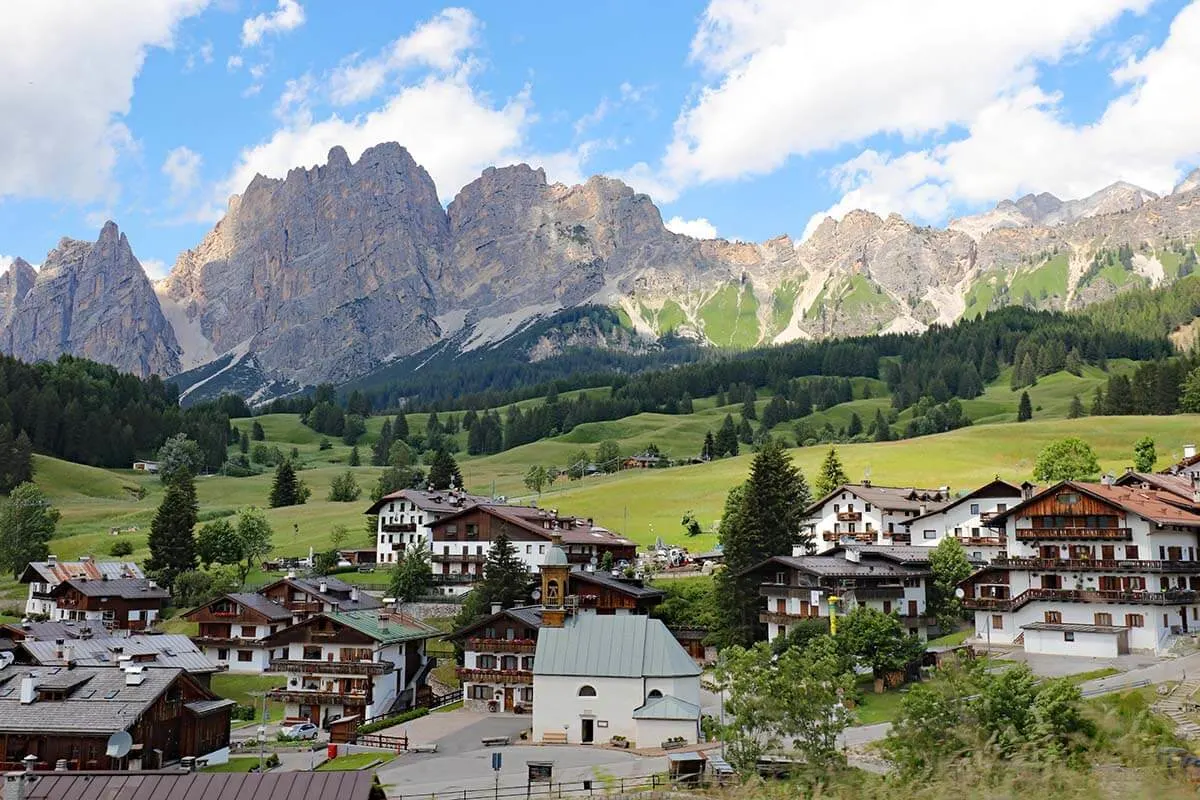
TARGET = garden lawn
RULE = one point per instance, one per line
(240, 764)
(876, 708)
(241, 689)
(355, 762)
(1095, 674)
(951, 639)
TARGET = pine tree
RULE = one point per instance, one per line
(444, 472)
(883, 431)
(257, 433)
(1076, 409)
(1074, 362)
(1098, 403)
(832, 474)
(171, 540)
(764, 522)
(1144, 454)
(1025, 408)
(400, 427)
(244, 443)
(505, 576)
(726, 442)
(745, 432)
(16, 459)
(355, 458)
(709, 448)
(379, 453)
(855, 427)
(287, 489)
(748, 411)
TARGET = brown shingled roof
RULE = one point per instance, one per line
(175, 785)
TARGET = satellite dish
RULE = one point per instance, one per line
(959, 593)
(594, 561)
(119, 745)
(536, 594)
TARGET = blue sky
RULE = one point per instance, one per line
(741, 118)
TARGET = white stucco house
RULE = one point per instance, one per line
(869, 514)
(1091, 569)
(966, 519)
(597, 677)
(406, 518)
(43, 576)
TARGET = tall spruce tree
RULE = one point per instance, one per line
(1024, 408)
(16, 459)
(379, 452)
(883, 431)
(444, 472)
(400, 427)
(832, 475)
(172, 541)
(764, 522)
(287, 490)
(709, 448)
(505, 576)
(855, 427)
(726, 442)
(748, 399)
(1075, 411)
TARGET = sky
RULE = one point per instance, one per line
(744, 119)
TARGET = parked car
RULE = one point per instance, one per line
(304, 730)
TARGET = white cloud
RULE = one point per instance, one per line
(206, 52)
(154, 268)
(234, 63)
(289, 15)
(6, 262)
(451, 128)
(438, 43)
(699, 228)
(796, 78)
(182, 168)
(1020, 142)
(69, 71)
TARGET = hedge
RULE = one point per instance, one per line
(388, 722)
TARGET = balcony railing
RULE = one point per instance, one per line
(331, 667)
(455, 578)
(849, 516)
(864, 537)
(395, 527)
(985, 541)
(1173, 597)
(1089, 564)
(878, 592)
(782, 618)
(318, 698)
(226, 641)
(459, 558)
(502, 676)
(481, 645)
(1035, 534)
(781, 589)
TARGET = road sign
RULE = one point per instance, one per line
(496, 760)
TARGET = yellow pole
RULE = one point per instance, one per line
(833, 601)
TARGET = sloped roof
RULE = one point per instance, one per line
(125, 588)
(997, 483)
(619, 646)
(50, 631)
(530, 616)
(616, 584)
(176, 785)
(1150, 504)
(1179, 485)
(833, 563)
(268, 608)
(396, 628)
(888, 498)
(103, 704)
(60, 571)
(171, 650)
(667, 707)
(336, 591)
(435, 501)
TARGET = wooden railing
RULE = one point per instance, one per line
(353, 699)
(878, 592)
(506, 676)
(459, 558)
(481, 645)
(315, 667)
(1124, 565)
(849, 516)
(783, 618)
(399, 527)
(1034, 534)
(1081, 596)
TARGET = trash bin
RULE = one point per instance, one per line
(331, 751)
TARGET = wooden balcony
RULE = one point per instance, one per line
(402, 527)
(783, 590)
(1038, 534)
(986, 516)
(786, 619)
(501, 676)
(459, 558)
(481, 645)
(225, 641)
(981, 541)
(1096, 565)
(357, 668)
(877, 592)
(1168, 598)
(849, 516)
(303, 697)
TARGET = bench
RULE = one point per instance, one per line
(554, 737)
(495, 741)
(423, 748)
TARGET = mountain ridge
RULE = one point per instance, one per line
(337, 269)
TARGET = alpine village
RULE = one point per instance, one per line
(417, 436)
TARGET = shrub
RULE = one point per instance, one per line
(399, 719)
(122, 547)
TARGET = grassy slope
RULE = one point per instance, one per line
(1047, 280)
(731, 317)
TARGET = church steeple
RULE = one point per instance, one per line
(555, 571)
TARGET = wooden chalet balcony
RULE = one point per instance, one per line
(1036, 534)
(399, 527)
(849, 516)
(331, 667)
(986, 516)
(304, 606)
(318, 698)
(785, 590)
(786, 619)
(226, 641)
(1095, 564)
(864, 537)
(1173, 597)
(481, 645)
(877, 592)
(900, 538)
(459, 558)
(504, 676)
(986, 541)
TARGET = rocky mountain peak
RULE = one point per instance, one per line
(1189, 184)
(90, 299)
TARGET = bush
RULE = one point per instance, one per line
(399, 719)
(121, 547)
(272, 761)
(241, 712)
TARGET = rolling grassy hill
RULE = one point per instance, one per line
(642, 504)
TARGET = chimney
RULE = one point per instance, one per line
(135, 676)
(29, 689)
(58, 649)
(354, 594)
(1107, 479)
(322, 587)
(60, 765)
(1189, 451)
(852, 555)
(150, 584)
(866, 482)
(799, 550)
(291, 573)
(68, 655)
(497, 608)
(52, 559)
